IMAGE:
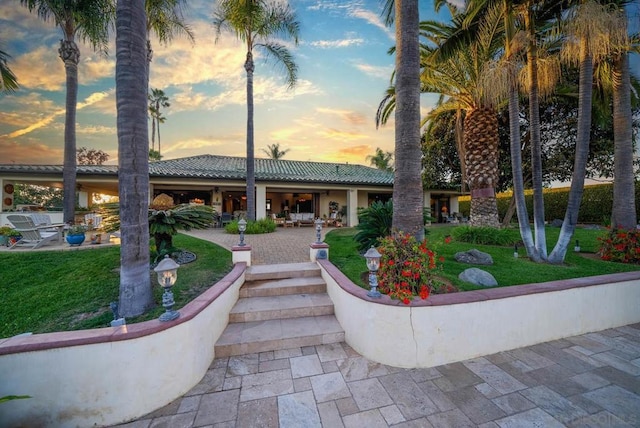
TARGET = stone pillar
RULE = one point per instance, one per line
(261, 201)
(352, 207)
(241, 254)
(318, 251)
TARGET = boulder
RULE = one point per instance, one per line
(478, 277)
(474, 257)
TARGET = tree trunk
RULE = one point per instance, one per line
(534, 137)
(158, 125)
(133, 157)
(407, 189)
(153, 132)
(70, 55)
(459, 132)
(582, 152)
(251, 172)
(624, 201)
(481, 142)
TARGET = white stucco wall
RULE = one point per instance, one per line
(112, 382)
(427, 336)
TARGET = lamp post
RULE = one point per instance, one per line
(373, 264)
(515, 251)
(242, 226)
(167, 271)
(577, 247)
(318, 224)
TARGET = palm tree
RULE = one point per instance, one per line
(165, 20)
(157, 100)
(255, 23)
(8, 80)
(132, 71)
(381, 160)
(624, 214)
(90, 20)
(594, 31)
(274, 152)
(408, 194)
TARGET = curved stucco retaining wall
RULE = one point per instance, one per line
(112, 375)
(455, 327)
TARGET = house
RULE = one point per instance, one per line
(282, 186)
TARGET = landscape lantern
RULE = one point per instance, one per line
(318, 224)
(373, 264)
(242, 226)
(167, 271)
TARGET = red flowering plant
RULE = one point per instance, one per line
(406, 267)
(620, 245)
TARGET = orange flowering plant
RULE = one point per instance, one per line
(406, 267)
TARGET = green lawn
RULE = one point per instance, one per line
(506, 269)
(70, 290)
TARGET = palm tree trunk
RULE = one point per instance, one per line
(582, 152)
(407, 189)
(459, 132)
(132, 76)
(153, 131)
(251, 173)
(624, 201)
(481, 142)
(158, 125)
(70, 55)
(534, 132)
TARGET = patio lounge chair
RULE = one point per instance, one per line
(32, 235)
(93, 221)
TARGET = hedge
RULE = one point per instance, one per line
(596, 206)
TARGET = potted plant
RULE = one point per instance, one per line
(75, 234)
(5, 233)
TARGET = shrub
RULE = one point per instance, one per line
(406, 267)
(621, 246)
(265, 225)
(486, 235)
(375, 223)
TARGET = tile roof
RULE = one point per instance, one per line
(234, 168)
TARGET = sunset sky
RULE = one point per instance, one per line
(344, 70)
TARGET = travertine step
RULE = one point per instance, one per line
(262, 336)
(279, 287)
(281, 307)
(290, 270)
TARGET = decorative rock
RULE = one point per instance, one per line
(556, 223)
(474, 257)
(478, 277)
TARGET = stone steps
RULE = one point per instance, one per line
(280, 307)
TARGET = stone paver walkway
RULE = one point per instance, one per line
(285, 245)
(591, 380)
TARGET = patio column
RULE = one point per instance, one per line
(261, 201)
(352, 207)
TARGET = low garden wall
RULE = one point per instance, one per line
(454, 327)
(111, 375)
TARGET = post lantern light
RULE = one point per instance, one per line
(373, 264)
(318, 224)
(167, 271)
(242, 226)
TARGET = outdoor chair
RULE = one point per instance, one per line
(279, 221)
(43, 220)
(33, 236)
(225, 219)
(333, 219)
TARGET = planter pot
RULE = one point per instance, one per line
(75, 239)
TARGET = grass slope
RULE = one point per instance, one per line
(48, 291)
(506, 269)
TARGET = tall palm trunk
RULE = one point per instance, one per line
(459, 133)
(534, 136)
(481, 142)
(70, 55)
(153, 131)
(133, 157)
(407, 188)
(624, 202)
(158, 125)
(251, 173)
(582, 151)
